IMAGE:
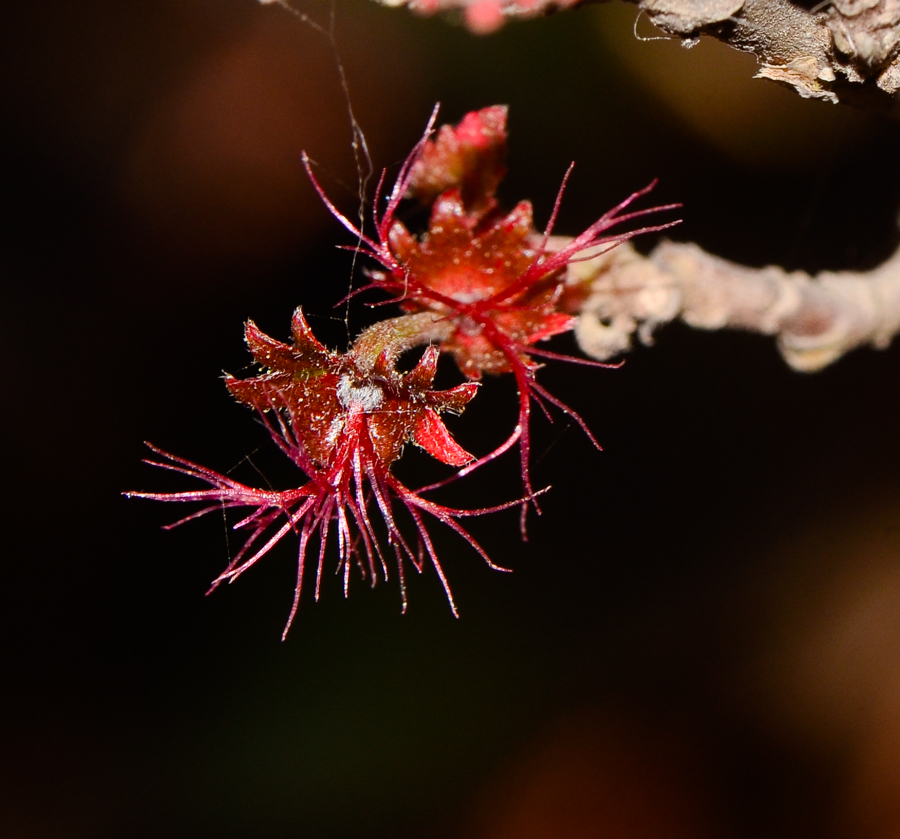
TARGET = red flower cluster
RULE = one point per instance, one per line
(491, 276)
(480, 284)
(343, 419)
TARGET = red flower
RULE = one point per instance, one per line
(480, 284)
(470, 156)
(493, 278)
(343, 419)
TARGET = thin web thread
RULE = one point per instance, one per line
(361, 157)
(245, 459)
(364, 169)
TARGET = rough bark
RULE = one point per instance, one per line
(815, 320)
(824, 53)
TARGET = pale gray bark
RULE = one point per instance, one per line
(822, 54)
(815, 320)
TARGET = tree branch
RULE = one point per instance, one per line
(815, 319)
(826, 53)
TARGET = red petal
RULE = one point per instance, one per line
(483, 129)
(432, 435)
(262, 392)
(553, 324)
(455, 399)
(448, 214)
(519, 221)
(305, 342)
(267, 351)
(470, 157)
(422, 375)
(401, 241)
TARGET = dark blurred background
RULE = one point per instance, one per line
(701, 637)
